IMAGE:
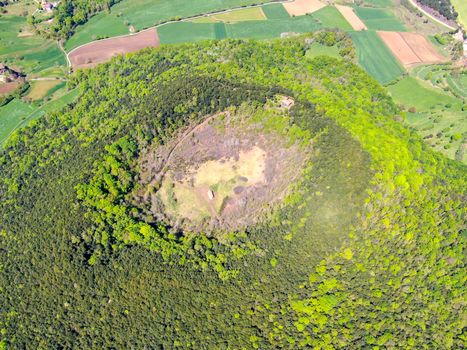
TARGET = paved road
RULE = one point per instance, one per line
(431, 16)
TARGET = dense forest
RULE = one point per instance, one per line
(444, 7)
(367, 250)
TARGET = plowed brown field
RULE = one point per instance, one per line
(302, 7)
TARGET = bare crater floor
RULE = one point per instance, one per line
(225, 172)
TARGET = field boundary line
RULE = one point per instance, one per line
(411, 49)
(175, 21)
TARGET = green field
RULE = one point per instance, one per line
(17, 114)
(379, 19)
(412, 92)
(444, 78)
(144, 14)
(32, 53)
(330, 17)
(182, 32)
(275, 11)
(461, 7)
(11, 116)
(375, 57)
(316, 49)
(379, 3)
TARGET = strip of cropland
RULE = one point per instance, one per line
(303, 7)
(351, 17)
(100, 51)
(142, 14)
(375, 57)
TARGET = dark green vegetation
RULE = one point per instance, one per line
(366, 251)
(444, 7)
(375, 57)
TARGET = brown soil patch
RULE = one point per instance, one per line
(6, 88)
(101, 51)
(351, 17)
(302, 7)
(224, 173)
(411, 48)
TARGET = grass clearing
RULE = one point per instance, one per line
(32, 54)
(316, 49)
(248, 14)
(182, 32)
(375, 57)
(275, 11)
(330, 17)
(412, 92)
(41, 88)
(461, 7)
(379, 19)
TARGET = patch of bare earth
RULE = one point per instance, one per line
(6, 88)
(224, 173)
(100, 51)
(351, 17)
(302, 7)
(411, 48)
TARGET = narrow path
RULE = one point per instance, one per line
(414, 3)
(175, 21)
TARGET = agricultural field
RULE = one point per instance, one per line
(17, 113)
(248, 14)
(375, 57)
(275, 11)
(303, 7)
(182, 32)
(143, 14)
(330, 17)
(350, 15)
(379, 3)
(42, 88)
(11, 116)
(30, 53)
(453, 80)
(379, 19)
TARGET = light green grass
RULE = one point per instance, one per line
(379, 19)
(317, 49)
(275, 11)
(182, 32)
(32, 54)
(272, 28)
(461, 7)
(412, 92)
(248, 14)
(330, 17)
(144, 14)
(379, 3)
(17, 114)
(374, 56)
(40, 88)
(101, 25)
(11, 116)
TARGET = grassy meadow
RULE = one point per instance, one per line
(31, 53)
(275, 11)
(461, 7)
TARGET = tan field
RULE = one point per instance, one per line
(100, 51)
(351, 17)
(302, 7)
(411, 48)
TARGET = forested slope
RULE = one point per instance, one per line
(367, 251)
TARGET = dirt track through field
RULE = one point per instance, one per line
(351, 17)
(302, 7)
(101, 51)
(411, 48)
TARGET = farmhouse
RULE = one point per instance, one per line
(48, 6)
(287, 102)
